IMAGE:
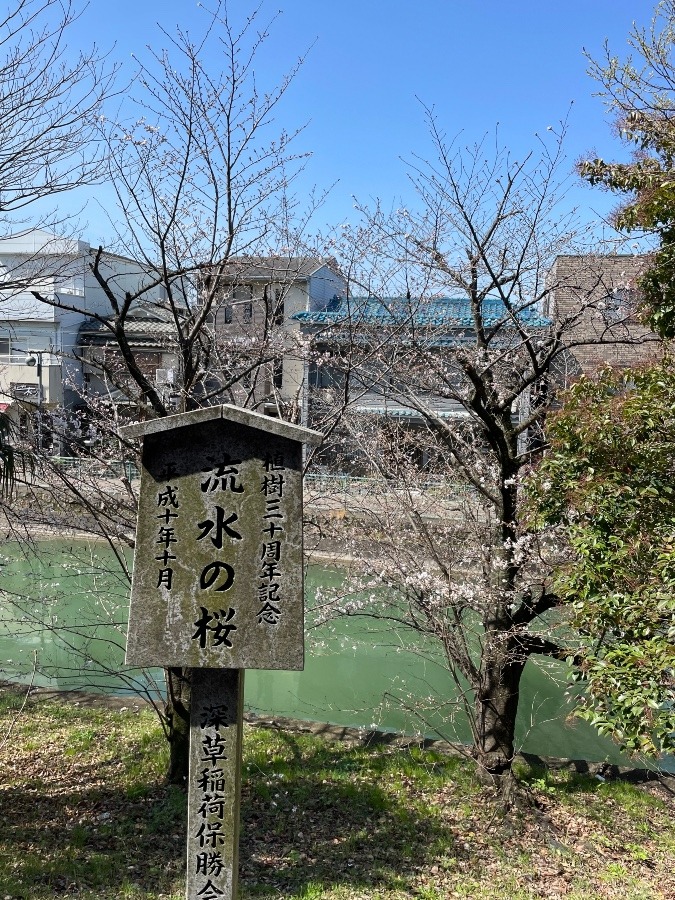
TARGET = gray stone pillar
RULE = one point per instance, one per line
(214, 784)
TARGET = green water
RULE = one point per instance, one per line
(63, 609)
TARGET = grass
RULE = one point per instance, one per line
(84, 812)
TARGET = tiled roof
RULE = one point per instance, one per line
(132, 326)
(452, 312)
(385, 404)
(144, 324)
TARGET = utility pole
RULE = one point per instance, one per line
(34, 358)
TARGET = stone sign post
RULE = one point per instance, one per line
(218, 588)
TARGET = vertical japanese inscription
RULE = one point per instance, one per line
(270, 572)
(215, 626)
(213, 802)
(218, 566)
(167, 502)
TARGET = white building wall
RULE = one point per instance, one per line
(324, 284)
(60, 270)
(297, 299)
(311, 295)
(123, 276)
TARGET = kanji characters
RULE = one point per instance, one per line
(209, 863)
(223, 477)
(167, 500)
(215, 715)
(211, 796)
(168, 497)
(213, 747)
(270, 572)
(218, 624)
(219, 526)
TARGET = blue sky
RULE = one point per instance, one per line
(518, 64)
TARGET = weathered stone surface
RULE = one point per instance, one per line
(218, 569)
(214, 784)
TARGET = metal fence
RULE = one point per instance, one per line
(355, 486)
(324, 484)
(77, 467)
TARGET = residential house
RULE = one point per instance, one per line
(258, 299)
(150, 331)
(438, 324)
(593, 298)
(47, 291)
(308, 301)
(389, 383)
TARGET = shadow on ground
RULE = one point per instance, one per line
(325, 817)
(94, 840)
(334, 818)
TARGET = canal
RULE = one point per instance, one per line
(64, 608)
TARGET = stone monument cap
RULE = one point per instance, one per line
(225, 411)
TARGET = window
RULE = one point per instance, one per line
(242, 297)
(324, 376)
(619, 305)
(5, 346)
(278, 312)
(278, 377)
(227, 314)
(147, 362)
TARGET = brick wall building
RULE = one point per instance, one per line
(595, 299)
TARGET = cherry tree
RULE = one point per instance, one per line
(445, 361)
(202, 176)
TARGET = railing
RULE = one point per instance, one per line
(340, 484)
(353, 485)
(78, 467)
(324, 484)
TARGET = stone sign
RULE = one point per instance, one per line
(218, 588)
(218, 571)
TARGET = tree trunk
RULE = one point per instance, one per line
(177, 709)
(496, 707)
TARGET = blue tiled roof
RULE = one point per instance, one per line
(453, 312)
